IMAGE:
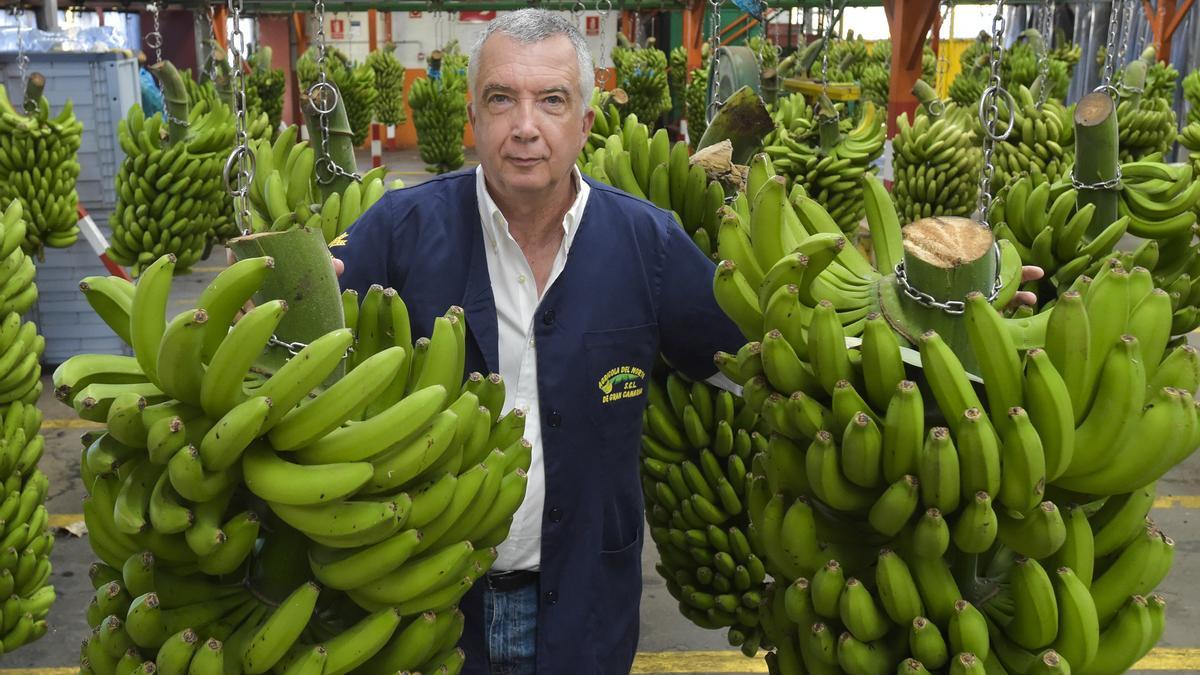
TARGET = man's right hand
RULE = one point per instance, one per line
(338, 266)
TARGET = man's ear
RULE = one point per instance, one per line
(589, 118)
(471, 112)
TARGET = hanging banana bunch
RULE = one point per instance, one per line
(1020, 64)
(766, 51)
(1041, 142)
(1145, 98)
(38, 166)
(439, 106)
(355, 83)
(265, 88)
(171, 197)
(216, 95)
(1189, 136)
(642, 74)
(696, 97)
(848, 58)
(624, 154)
(967, 86)
(875, 78)
(25, 542)
(827, 154)
(912, 520)
(677, 75)
(284, 193)
(936, 160)
(389, 82)
(240, 531)
(1066, 52)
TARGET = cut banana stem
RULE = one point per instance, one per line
(1096, 159)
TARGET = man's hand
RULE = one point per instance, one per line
(339, 266)
(1028, 273)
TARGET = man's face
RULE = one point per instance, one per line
(529, 121)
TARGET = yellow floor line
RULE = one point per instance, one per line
(1178, 502)
(1163, 659)
(63, 519)
(69, 423)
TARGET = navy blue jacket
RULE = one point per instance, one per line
(633, 285)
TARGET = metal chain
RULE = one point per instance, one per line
(324, 99)
(714, 39)
(954, 307)
(1126, 28)
(943, 59)
(1110, 48)
(154, 38)
(212, 36)
(1113, 183)
(294, 348)
(825, 39)
(604, 7)
(989, 116)
(22, 57)
(1044, 13)
(242, 157)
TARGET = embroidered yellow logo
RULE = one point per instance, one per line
(340, 240)
(622, 382)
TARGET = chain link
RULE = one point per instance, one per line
(294, 348)
(1110, 47)
(1113, 183)
(212, 36)
(989, 116)
(242, 157)
(715, 40)
(604, 7)
(323, 96)
(1044, 13)
(154, 38)
(953, 307)
(826, 36)
(942, 68)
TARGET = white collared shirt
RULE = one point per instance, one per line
(515, 291)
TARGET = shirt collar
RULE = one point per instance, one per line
(495, 225)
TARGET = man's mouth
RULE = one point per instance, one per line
(524, 161)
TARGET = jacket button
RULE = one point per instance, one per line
(555, 515)
(548, 317)
(554, 419)
(552, 597)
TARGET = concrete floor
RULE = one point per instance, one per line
(662, 628)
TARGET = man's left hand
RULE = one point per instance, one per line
(1028, 273)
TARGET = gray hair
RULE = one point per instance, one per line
(530, 26)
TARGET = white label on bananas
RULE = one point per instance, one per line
(908, 355)
(884, 162)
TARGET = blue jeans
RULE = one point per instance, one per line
(511, 620)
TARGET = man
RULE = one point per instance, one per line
(563, 280)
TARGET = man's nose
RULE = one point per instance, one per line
(525, 120)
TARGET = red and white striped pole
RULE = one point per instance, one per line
(376, 146)
(95, 238)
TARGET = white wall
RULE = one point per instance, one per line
(415, 37)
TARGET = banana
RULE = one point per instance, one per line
(277, 634)
(274, 479)
(1078, 638)
(1136, 571)
(221, 387)
(1023, 464)
(147, 313)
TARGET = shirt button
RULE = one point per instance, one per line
(552, 597)
(555, 515)
(521, 279)
(554, 419)
(548, 317)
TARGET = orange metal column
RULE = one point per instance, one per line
(909, 22)
(693, 32)
(1164, 21)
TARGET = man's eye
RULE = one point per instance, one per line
(555, 100)
(498, 99)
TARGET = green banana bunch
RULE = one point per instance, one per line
(284, 193)
(765, 50)
(697, 445)
(265, 88)
(217, 470)
(642, 74)
(170, 196)
(1019, 65)
(677, 75)
(39, 166)
(935, 163)
(18, 293)
(439, 107)
(994, 514)
(1066, 51)
(1191, 94)
(389, 82)
(355, 83)
(1145, 113)
(217, 95)
(622, 153)
(826, 154)
(848, 57)
(696, 101)
(25, 543)
(875, 83)
(1042, 141)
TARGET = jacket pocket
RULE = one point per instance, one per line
(618, 371)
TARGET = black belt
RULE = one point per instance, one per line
(510, 580)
